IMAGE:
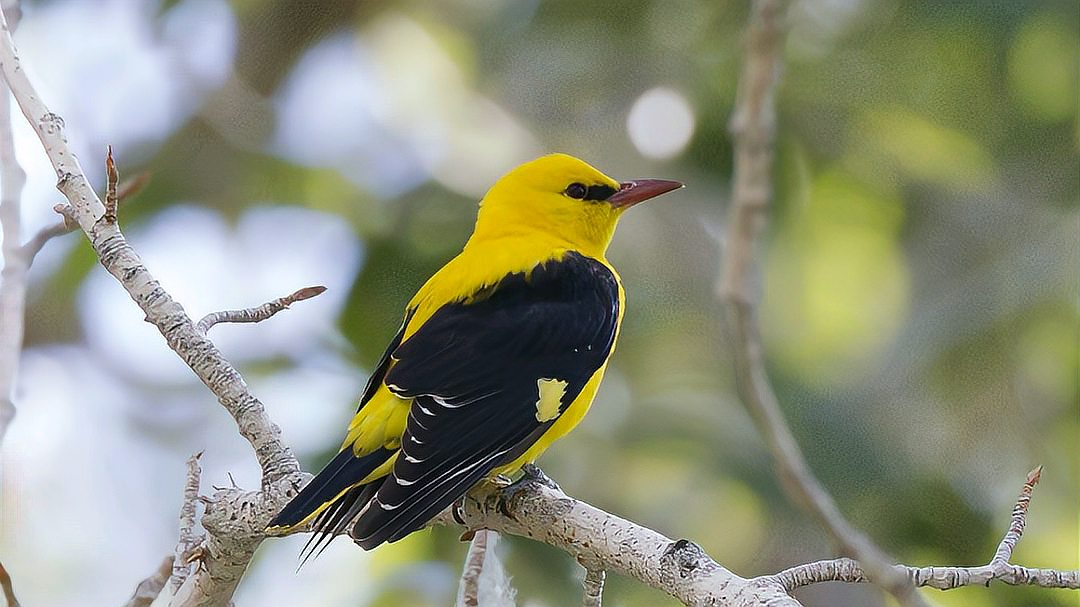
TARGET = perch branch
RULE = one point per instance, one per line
(149, 589)
(259, 313)
(753, 126)
(680, 568)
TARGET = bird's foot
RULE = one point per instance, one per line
(534, 473)
(518, 483)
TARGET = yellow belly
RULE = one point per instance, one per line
(566, 422)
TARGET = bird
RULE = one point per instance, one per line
(499, 354)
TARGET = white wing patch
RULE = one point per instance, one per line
(549, 401)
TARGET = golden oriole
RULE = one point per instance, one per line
(499, 355)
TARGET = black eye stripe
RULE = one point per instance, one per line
(580, 191)
(599, 192)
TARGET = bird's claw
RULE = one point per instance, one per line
(510, 488)
(534, 473)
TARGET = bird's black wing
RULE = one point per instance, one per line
(474, 370)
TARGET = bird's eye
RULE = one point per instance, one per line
(577, 191)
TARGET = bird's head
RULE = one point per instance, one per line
(564, 199)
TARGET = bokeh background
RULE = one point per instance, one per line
(922, 273)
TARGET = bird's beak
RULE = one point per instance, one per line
(633, 192)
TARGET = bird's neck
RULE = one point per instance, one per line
(542, 235)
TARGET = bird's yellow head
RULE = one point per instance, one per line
(560, 198)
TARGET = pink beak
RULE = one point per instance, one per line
(633, 192)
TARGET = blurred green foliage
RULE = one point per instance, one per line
(920, 280)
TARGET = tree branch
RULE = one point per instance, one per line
(753, 125)
(235, 519)
(680, 568)
(13, 278)
(947, 578)
(122, 262)
(259, 313)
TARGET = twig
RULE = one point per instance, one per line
(474, 566)
(33, 246)
(1018, 520)
(947, 578)
(753, 126)
(187, 540)
(259, 313)
(112, 176)
(149, 589)
(594, 587)
(13, 277)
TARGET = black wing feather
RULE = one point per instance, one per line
(472, 369)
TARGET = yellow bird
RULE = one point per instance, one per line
(499, 355)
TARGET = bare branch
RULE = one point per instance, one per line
(753, 126)
(187, 540)
(947, 578)
(13, 279)
(259, 313)
(148, 590)
(594, 587)
(680, 568)
(8, 588)
(236, 520)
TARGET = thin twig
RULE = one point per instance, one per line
(148, 590)
(187, 540)
(594, 587)
(474, 566)
(258, 313)
(753, 125)
(1018, 521)
(947, 578)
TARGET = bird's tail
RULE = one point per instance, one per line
(334, 496)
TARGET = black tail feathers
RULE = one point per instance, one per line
(334, 496)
